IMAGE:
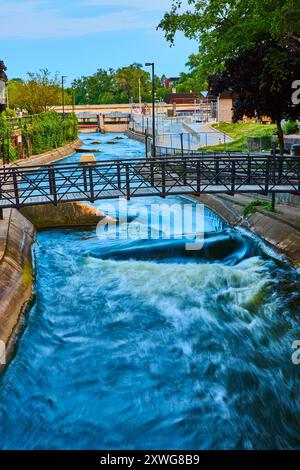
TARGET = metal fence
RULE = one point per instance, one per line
(66, 182)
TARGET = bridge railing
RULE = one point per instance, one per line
(67, 182)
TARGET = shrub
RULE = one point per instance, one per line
(290, 127)
(49, 131)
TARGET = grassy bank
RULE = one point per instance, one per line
(240, 133)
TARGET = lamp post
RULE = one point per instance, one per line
(63, 93)
(151, 64)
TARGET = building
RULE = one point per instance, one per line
(182, 98)
(169, 82)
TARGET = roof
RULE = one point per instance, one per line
(87, 115)
(116, 114)
(172, 97)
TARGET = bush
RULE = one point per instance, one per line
(7, 150)
(290, 127)
(49, 131)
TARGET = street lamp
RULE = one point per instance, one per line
(63, 93)
(151, 64)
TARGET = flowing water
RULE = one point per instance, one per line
(142, 344)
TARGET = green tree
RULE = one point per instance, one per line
(36, 94)
(261, 90)
(127, 82)
(226, 28)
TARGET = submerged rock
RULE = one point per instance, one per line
(70, 214)
(111, 142)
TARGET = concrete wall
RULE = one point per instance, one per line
(225, 110)
(115, 127)
(122, 108)
(16, 238)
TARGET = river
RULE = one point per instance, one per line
(134, 344)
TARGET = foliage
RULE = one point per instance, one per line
(251, 208)
(109, 86)
(49, 131)
(290, 127)
(6, 146)
(226, 28)
(262, 79)
(36, 94)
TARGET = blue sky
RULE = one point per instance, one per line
(75, 37)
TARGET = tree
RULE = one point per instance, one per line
(36, 94)
(127, 82)
(98, 88)
(226, 28)
(261, 90)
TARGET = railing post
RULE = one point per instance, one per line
(146, 143)
(249, 170)
(298, 164)
(91, 179)
(163, 179)
(119, 176)
(181, 143)
(52, 184)
(127, 181)
(268, 166)
(232, 176)
(16, 189)
(85, 185)
(217, 168)
(184, 172)
(198, 177)
(152, 174)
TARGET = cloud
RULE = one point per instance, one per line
(36, 19)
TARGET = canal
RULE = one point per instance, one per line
(142, 344)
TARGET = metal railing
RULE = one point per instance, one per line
(67, 182)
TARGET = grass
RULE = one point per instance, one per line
(240, 132)
(251, 208)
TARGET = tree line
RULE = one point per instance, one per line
(42, 89)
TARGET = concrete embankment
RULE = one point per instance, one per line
(135, 136)
(49, 157)
(16, 238)
(281, 229)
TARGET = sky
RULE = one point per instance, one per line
(76, 37)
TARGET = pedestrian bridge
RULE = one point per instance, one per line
(177, 175)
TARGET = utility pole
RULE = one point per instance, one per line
(63, 94)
